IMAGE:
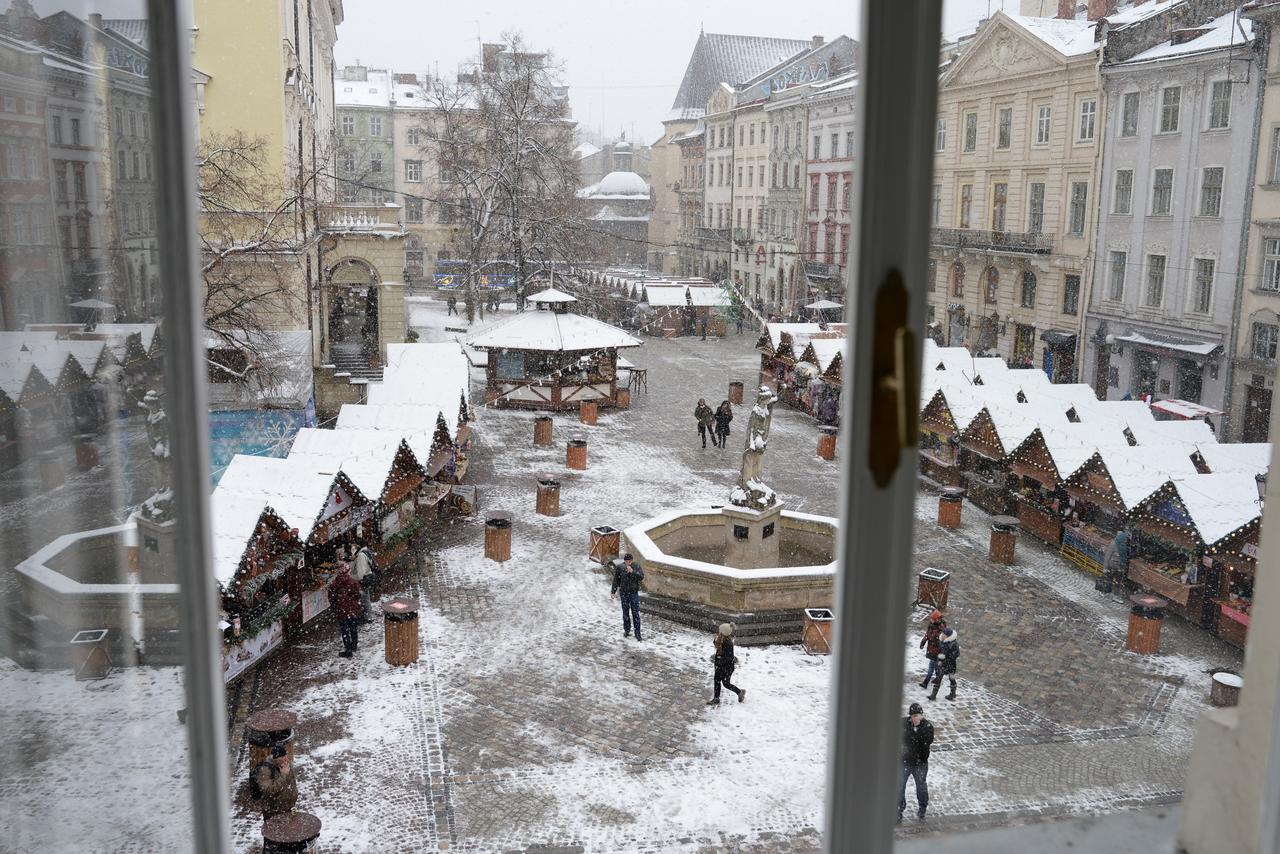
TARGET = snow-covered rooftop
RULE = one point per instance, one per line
(293, 488)
(365, 456)
(415, 423)
(551, 331)
(585, 149)
(1139, 471)
(1067, 37)
(1218, 504)
(1225, 31)
(436, 374)
(709, 296)
(1251, 458)
(617, 185)
(1185, 434)
(826, 349)
(551, 295)
(802, 333)
(663, 296)
(374, 92)
(233, 519)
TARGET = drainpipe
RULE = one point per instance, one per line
(1228, 420)
(1090, 256)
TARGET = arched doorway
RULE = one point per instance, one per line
(350, 287)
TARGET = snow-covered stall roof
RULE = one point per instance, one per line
(233, 519)
(548, 331)
(1072, 445)
(802, 333)
(1139, 471)
(293, 488)
(1218, 504)
(826, 349)
(1251, 458)
(665, 296)
(117, 336)
(365, 456)
(1185, 434)
(551, 295)
(1184, 409)
(709, 295)
(435, 374)
(414, 422)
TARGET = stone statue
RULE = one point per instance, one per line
(751, 490)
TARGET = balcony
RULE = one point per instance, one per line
(713, 235)
(742, 236)
(993, 241)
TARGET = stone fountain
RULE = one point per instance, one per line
(750, 561)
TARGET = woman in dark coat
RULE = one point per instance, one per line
(931, 643)
(949, 652)
(725, 662)
(724, 414)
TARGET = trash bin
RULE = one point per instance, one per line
(400, 640)
(548, 502)
(827, 442)
(575, 455)
(1004, 535)
(90, 658)
(542, 430)
(950, 503)
(86, 451)
(290, 833)
(606, 543)
(588, 411)
(1225, 689)
(933, 586)
(1146, 618)
(622, 398)
(267, 728)
(497, 536)
(735, 392)
(815, 633)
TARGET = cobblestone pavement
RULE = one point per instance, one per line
(530, 724)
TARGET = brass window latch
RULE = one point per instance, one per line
(895, 381)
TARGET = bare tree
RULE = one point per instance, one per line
(502, 137)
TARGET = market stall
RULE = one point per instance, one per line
(821, 396)
(947, 412)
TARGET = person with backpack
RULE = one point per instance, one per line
(368, 576)
(931, 643)
(273, 785)
(724, 662)
(702, 414)
(949, 652)
(724, 414)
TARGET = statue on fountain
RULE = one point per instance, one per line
(751, 491)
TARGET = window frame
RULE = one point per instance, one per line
(1004, 127)
(1115, 193)
(1202, 195)
(1167, 111)
(1073, 210)
(1270, 264)
(1114, 256)
(1147, 284)
(1087, 117)
(1128, 131)
(1156, 171)
(969, 140)
(1212, 104)
(1044, 125)
(1193, 291)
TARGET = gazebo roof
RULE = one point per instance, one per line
(551, 295)
(550, 331)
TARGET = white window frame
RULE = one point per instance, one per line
(940, 136)
(1044, 124)
(1211, 102)
(1087, 120)
(413, 171)
(1170, 113)
(1273, 335)
(348, 125)
(375, 126)
(1270, 265)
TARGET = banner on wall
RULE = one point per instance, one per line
(314, 603)
(240, 657)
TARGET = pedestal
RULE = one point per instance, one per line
(400, 618)
(548, 501)
(1004, 535)
(606, 543)
(735, 392)
(949, 504)
(815, 634)
(575, 455)
(933, 586)
(266, 729)
(622, 398)
(290, 833)
(542, 430)
(1146, 618)
(588, 411)
(497, 536)
(752, 537)
(827, 443)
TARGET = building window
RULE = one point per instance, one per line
(1271, 264)
(75, 132)
(1113, 376)
(931, 277)
(742, 135)
(1115, 286)
(970, 131)
(1162, 192)
(1154, 296)
(1170, 108)
(999, 202)
(375, 125)
(991, 291)
(1265, 337)
(1071, 295)
(1035, 208)
(1211, 191)
(135, 167)
(412, 209)
(1123, 200)
(940, 136)
(957, 280)
(1202, 285)
(740, 184)
(937, 204)
(1004, 127)
(1190, 380)
(751, 176)
(56, 123)
(1079, 198)
(817, 147)
(1028, 289)
(1220, 105)
(1274, 177)
(1044, 117)
(966, 204)
(835, 145)
(1088, 120)
(119, 114)
(752, 134)
(375, 161)
(348, 126)
(796, 182)
(848, 144)
(413, 135)
(348, 192)
(1129, 114)
(813, 193)
(845, 189)
(773, 175)
(831, 192)
(348, 161)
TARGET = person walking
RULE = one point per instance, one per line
(366, 574)
(917, 738)
(948, 652)
(724, 661)
(724, 414)
(702, 322)
(344, 595)
(273, 784)
(738, 320)
(931, 643)
(627, 578)
(452, 303)
(1116, 563)
(704, 416)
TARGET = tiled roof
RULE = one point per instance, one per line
(719, 58)
(134, 29)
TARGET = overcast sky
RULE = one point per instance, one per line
(623, 60)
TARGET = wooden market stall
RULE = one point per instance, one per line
(552, 359)
(985, 452)
(948, 411)
(672, 314)
(821, 396)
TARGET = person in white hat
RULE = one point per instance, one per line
(725, 662)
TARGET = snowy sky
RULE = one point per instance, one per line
(623, 61)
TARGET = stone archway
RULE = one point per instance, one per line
(348, 284)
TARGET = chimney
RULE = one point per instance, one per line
(1099, 9)
(1186, 34)
(95, 20)
(1067, 10)
(816, 42)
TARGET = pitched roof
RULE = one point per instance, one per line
(134, 29)
(719, 58)
(549, 331)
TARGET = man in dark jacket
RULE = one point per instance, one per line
(917, 738)
(948, 655)
(703, 415)
(344, 595)
(627, 578)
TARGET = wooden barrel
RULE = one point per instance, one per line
(575, 455)
(1146, 618)
(623, 398)
(588, 411)
(735, 392)
(400, 641)
(497, 536)
(827, 443)
(1004, 535)
(548, 503)
(290, 833)
(949, 504)
(267, 728)
(542, 430)
(1224, 690)
(86, 452)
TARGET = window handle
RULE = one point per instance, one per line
(895, 381)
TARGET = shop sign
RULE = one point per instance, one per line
(1172, 511)
(339, 500)
(1250, 550)
(390, 524)
(237, 659)
(314, 603)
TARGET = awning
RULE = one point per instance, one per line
(1058, 338)
(1181, 345)
(823, 304)
(1185, 409)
